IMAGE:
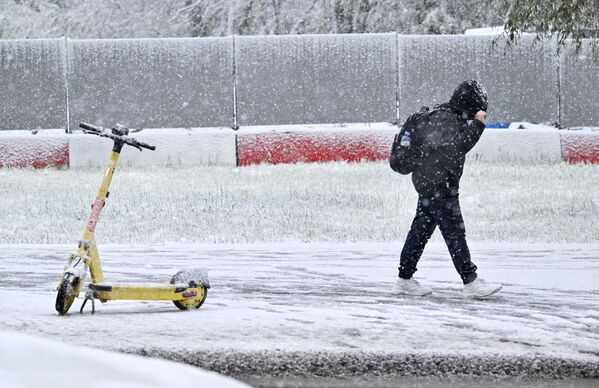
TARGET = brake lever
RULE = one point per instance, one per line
(92, 132)
(133, 144)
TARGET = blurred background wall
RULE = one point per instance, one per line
(294, 79)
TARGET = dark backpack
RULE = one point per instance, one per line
(403, 158)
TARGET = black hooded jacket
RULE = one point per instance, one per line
(443, 138)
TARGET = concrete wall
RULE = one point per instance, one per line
(306, 79)
(579, 83)
(151, 83)
(32, 84)
(521, 83)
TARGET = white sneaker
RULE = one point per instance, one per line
(479, 289)
(410, 287)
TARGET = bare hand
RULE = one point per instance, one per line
(481, 116)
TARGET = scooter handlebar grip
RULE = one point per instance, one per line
(147, 146)
(139, 144)
(90, 127)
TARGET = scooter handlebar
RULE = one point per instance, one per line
(115, 134)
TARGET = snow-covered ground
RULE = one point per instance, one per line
(277, 301)
(31, 361)
(291, 294)
(336, 202)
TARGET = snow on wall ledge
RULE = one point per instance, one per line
(521, 142)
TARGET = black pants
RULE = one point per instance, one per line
(446, 213)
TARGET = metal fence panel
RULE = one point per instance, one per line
(284, 80)
(153, 83)
(579, 83)
(521, 82)
(32, 84)
(316, 79)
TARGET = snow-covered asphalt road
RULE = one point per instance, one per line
(327, 309)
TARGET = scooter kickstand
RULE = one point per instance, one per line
(88, 296)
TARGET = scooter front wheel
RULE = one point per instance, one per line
(68, 290)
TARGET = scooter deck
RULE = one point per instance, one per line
(144, 291)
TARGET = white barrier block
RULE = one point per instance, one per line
(518, 145)
(174, 147)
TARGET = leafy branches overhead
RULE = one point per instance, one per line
(564, 19)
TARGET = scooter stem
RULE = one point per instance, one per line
(95, 266)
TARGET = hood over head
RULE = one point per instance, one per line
(469, 97)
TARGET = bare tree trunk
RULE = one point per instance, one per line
(276, 8)
(231, 17)
(362, 17)
(244, 26)
(344, 16)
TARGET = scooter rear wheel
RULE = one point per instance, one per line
(67, 292)
(194, 302)
(190, 277)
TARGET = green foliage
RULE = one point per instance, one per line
(563, 19)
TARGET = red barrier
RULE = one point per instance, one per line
(580, 147)
(294, 147)
(37, 152)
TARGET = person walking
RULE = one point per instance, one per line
(432, 146)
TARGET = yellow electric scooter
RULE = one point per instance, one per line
(187, 288)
